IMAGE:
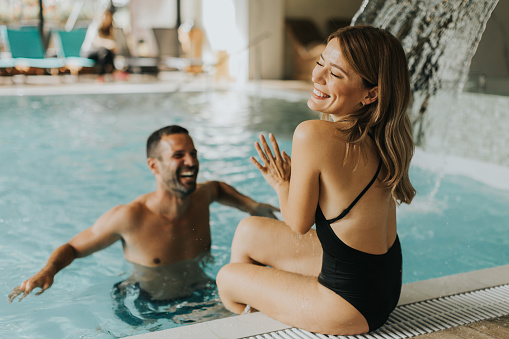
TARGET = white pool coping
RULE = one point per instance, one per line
(253, 324)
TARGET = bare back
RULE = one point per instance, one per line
(370, 226)
(321, 176)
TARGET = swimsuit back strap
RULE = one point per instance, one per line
(346, 210)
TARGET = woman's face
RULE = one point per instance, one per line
(338, 89)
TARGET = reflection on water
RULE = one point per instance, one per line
(172, 281)
(134, 306)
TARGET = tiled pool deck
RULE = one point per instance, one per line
(257, 323)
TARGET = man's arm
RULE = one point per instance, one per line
(60, 258)
(101, 235)
(229, 196)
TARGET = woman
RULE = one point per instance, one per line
(344, 278)
(103, 47)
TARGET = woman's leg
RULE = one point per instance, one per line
(105, 61)
(109, 59)
(288, 290)
(272, 243)
(294, 299)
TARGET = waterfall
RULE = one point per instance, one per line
(439, 37)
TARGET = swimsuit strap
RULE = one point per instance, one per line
(346, 210)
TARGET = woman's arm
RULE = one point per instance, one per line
(298, 196)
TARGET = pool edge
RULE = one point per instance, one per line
(257, 323)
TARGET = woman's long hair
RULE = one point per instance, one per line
(378, 57)
(106, 27)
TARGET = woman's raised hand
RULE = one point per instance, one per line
(277, 168)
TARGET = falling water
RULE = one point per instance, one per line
(440, 38)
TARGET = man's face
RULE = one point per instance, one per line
(178, 164)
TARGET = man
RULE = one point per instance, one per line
(163, 233)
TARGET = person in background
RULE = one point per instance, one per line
(347, 173)
(165, 233)
(102, 49)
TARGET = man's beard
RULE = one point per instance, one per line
(183, 186)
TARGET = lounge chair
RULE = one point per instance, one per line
(173, 55)
(27, 52)
(125, 60)
(68, 47)
(6, 62)
(169, 47)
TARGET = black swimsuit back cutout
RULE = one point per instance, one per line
(347, 210)
(369, 282)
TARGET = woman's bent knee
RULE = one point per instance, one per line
(247, 226)
(245, 239)
(223, 276)
(226, 281)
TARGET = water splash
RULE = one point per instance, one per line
(440, 37)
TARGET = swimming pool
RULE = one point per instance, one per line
(67, 159)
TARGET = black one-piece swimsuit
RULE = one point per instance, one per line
(369, 282)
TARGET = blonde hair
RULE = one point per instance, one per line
(378, 57)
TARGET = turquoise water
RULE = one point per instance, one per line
(65, 160)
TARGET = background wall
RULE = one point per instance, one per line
(321, 11)
(264, 19)
(266, 39)
(492, 56)
(146, 14)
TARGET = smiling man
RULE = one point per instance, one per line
(165, 233)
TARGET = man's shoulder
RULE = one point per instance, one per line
(207, 190)
(138, 205)
(131, 210)
(207, 185)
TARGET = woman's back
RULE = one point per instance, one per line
(370, 225)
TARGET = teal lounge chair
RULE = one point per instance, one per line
(6, 63)
(27, 51)
(68, 46)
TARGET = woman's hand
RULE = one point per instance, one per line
(276, 169)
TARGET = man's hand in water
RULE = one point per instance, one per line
(264, 210)
(43, 280)
(59, 258)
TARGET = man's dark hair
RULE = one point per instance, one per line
(154, 138)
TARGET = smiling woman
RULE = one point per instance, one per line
(339, 90)
(355, 161)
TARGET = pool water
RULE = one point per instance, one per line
(65, 160)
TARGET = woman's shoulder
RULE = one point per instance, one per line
(317, 131)
(312, 128)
